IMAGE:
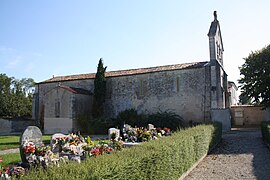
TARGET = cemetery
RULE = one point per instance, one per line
(122, 150)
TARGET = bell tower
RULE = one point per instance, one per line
(215, 41)
(218, 77)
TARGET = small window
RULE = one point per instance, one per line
(177, 84)
(57, 109)
(141, 88)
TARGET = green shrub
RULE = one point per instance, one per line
(160, 119)
(166, 119)
(131, 117)
(167, 158)
(99, 126)
(265, 129)
(89, 125)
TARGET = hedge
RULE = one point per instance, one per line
(265, 129)
(167, 158)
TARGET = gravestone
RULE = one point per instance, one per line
(114, 130)
(127, 127)
(30, 134)
(150, 127)
(56, 147)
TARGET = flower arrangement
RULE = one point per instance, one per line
(73, 144)
(101, 148)
(42, 150)
(116, 144)
(59, 140)
(36, 154)
(164, 132)
(89, 144)
(29, 147)
(8, 172)
(4, 173)
(142, 134)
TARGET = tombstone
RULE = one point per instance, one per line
(127, 127)
(150, 127)
(30, 134)
(114, 130)
(56, 148)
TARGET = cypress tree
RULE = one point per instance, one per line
(99, 91)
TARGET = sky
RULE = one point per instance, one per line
(41, 39)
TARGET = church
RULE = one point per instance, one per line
(191, 90)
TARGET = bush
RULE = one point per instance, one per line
(92, 126)
(167, 158)
(100, 126)
(131, 117)
(265, 129)
(166, 119)
(160, 119)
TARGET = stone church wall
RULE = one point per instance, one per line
(55, 96)
(42, 89)
(185, 92)
(180, 91)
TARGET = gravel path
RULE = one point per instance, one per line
(241, 155)
(9, 151)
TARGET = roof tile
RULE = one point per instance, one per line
(127, 72)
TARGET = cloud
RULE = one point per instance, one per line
(13, 59)
(6, 50)
(15, 62)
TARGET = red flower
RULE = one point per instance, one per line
(95, 152)
(167, 130)
(30, 149)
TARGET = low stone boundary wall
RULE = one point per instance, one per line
(248, 115)
(15, 125)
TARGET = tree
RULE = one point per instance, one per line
(99, 90)
(15, 96)
(243, 99)
(255, 80)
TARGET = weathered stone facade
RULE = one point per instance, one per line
(182, 91)
(190, 90)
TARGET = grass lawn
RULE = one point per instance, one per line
(10, 159)
(11, 142)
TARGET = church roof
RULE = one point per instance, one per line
(127, 72)
(73, 90)
(76, 90)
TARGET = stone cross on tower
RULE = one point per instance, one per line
(215, 15)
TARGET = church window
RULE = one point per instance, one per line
(57, 109)
(141, 88)
(177, 84)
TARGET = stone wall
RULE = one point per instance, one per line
(58, 125)
(42, 89)
(82, 108)
(51, 100)
(15, 125)
(185, 92)
(246, 115)
(223, 116)
(180, 91)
